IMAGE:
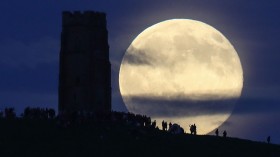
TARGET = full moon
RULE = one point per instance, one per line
(181, 71)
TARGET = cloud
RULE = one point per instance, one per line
(177, 106)
(136, 57)
(30, 54)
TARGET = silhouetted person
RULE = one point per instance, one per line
(225, 134)
(217, 132)
(194, 129)
(191, 129)
(268, 139)
(154, 124)
(10, 113)
(170, 125)
(51, 113)
(148, 121)
(165, 126)
(162, 124)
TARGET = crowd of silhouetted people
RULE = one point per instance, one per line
(67, 119)
(29, 113)
(38, 113)
(8, 113)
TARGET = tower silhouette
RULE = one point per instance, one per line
(84, 69)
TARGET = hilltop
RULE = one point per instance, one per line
(29, 137)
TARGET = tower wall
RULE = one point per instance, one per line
(85, 69)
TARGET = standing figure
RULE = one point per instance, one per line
(170, 125)
(194, 129)
(225, 133)
(268, 139)
(217, 132)
(162, 124)
(154, 124)
(191, 129)
(165, 126)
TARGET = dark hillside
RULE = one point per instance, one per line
(38, 138)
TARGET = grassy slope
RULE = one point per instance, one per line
(43, 138)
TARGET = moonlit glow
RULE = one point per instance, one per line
(183, 71)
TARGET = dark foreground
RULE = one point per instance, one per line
(31, 138)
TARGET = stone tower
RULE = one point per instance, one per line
(85, 69)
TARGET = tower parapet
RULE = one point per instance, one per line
(86, 18)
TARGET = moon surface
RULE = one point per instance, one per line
(181, 71)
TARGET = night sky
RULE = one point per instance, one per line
(30, 43)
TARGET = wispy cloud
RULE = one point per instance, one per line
(177, 106)
(136, 57)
